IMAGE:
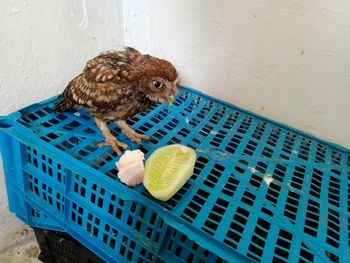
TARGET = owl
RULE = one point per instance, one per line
(117, 85)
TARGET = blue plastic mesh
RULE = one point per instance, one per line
(302, 216)
(40, 219)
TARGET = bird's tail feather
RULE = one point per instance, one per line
(63, 106)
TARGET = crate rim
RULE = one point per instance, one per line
(14, 116)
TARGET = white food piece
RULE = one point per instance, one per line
(131, 167)
(268, 179)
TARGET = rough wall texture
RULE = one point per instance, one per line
(43, 44)
(287, 60)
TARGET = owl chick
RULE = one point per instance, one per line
(117, 85)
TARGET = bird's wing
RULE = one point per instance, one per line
(111, 65)
(104, 80)
(104, 68)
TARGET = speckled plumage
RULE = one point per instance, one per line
(117, 85)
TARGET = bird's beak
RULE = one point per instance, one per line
(170, 100)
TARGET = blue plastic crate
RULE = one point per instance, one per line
(225, 212)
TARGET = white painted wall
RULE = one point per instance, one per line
(44, 44)
(287, 60)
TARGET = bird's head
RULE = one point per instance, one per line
(159, 79)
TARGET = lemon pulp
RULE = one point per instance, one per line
(168, 169)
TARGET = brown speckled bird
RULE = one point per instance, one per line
(118, 85)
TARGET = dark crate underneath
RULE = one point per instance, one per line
(59, 247)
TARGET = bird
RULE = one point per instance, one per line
(118, 85)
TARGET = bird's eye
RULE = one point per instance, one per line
(157, 84)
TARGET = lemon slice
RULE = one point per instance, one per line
(168, 169)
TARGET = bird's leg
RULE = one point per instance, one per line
(110, 139)
(134, 136)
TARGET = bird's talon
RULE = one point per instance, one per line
(117, 151)
(136, 137)
(115, 144)
(123, 145)
(136, 140)
(132, 135)
(145, 137)
(101, 144)
(152, 140)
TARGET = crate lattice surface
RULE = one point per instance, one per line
(57, 178)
